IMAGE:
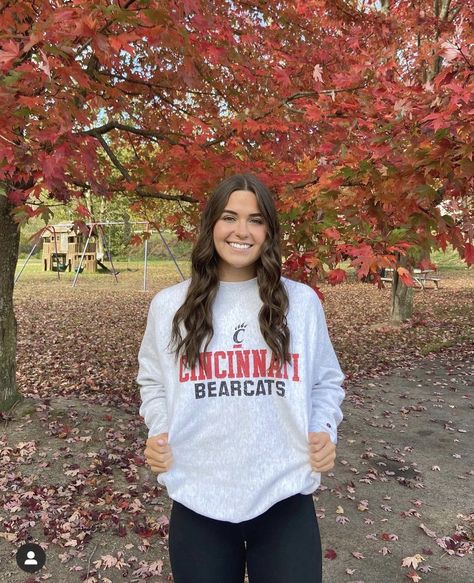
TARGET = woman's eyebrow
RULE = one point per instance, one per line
(250, 215)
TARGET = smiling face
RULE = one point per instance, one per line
(241, 222)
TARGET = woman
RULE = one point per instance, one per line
(240, 430)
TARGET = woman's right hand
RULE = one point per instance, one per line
(158, 457)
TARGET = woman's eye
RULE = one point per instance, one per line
(259, 221)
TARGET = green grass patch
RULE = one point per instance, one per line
(438, 345)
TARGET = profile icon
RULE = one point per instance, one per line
(31, 560)
(30, 557)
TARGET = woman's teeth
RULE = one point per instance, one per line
(236, 246)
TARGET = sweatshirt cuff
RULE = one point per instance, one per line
(326, 426)
(157, 430)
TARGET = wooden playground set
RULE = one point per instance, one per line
(65, 248)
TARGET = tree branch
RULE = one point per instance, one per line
(96, 132)
(143, 193)
(150, 84)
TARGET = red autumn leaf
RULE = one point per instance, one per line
(130, 186)
(64, 431)
(314, 112)
(311, 260)
(9, 52)
(469, 253)
(144, 531)
(136, 240)
(330, 554)
(44, 65)
(427, 264)
(336, 276)
(16, 197)
(81, 227)
(405, 276)
(388, 536)
(116, 43)
(282, 76)
(83, 211)
(332, 233)
(438, 120)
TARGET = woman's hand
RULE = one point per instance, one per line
(158, 457)
(322, 451)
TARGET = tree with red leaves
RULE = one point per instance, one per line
(357, 114)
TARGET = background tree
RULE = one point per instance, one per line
(336, 105)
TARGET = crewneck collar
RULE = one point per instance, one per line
(238, 285)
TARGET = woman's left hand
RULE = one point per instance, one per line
(322, 451)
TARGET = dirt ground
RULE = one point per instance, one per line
(402, 485)
(405, 447)
(73, 477)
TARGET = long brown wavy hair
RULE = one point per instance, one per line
(196, 313)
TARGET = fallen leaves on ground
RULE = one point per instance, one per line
(74, 473)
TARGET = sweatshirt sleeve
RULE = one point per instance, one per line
(153, 406)
(327, 393)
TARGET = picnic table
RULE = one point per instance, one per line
(421, 277)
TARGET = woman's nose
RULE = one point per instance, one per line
(241, 228)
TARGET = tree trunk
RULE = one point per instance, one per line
(402, 295)
(9, 244)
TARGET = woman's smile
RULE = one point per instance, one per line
(242, 247)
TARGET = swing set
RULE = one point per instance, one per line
(70, 254)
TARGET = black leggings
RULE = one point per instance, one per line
(283, 545)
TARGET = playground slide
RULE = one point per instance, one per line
(105, 268)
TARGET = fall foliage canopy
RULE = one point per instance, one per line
(358, 114)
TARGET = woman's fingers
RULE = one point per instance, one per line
(153, 446)
(323, 458)
(326, 451)
(160, 461)
(323, 468)
(323, 461)
(326, 447)
(155, 453)
(327, 464)
(160, 466)
(158, 457)
(323, 454)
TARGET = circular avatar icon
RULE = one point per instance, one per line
(30, 557)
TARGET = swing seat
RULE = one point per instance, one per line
(80, 270)
(59, 268)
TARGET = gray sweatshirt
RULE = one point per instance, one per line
(239, 436)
